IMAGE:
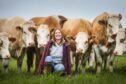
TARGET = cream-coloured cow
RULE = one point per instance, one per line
(78, 33)
(104, 31)
(4, 49)
(120, 42)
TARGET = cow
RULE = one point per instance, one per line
(78, 34)
(4, 49)
(45, 26)
(120, 42)
(19, 28)
(104, 31)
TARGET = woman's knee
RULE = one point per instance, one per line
(59, 67)
(48, 60)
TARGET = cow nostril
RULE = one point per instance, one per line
(7, 56)
(31, 44)
(79, 50)
(42, 45)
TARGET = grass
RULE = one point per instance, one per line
(13, 77)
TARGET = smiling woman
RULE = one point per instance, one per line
(56, 55)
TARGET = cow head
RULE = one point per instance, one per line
(82, 42)
(4, 45)
(113, 25)
(27, 31)
(43, 35)
(120, 42)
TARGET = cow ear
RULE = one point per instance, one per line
(92, 39)
(102, 22)
(51, 33)
(73, 38)
(12, 39)
(32, 29)
(19, 28)
(62, 20)
(120, 16)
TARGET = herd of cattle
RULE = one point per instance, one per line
(98, 41)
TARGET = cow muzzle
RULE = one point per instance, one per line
(79, 50)
(31, 44)
(41, 45)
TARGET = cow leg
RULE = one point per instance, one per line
(98, 59)
(72, 58)
(84, 65)
(105, 62)
(5, 63)
(91, 59)
(110, 62)
(79, 65)
(38, 58)
(76, 64)
(20, 59)
(30, 54)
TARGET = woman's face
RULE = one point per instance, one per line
(58, 34)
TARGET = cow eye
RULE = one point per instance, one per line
(24, 32)
(48, 36)
(110, 25)
(86, 42)
(122, 40)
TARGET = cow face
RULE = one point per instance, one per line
(28, 32)
(113, 25)
(120, 42)
(43, 35)
(4, 45)
(81, 42)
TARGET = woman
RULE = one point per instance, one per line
(56, 54)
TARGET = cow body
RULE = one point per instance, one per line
(13, 26)
(77, 32)
(104, 32)
(4, 49)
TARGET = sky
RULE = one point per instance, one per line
(87, 9)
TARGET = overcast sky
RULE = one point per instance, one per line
(87, 9)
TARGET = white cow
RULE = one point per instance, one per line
(4, 49)
(105, 28)
(120, 42)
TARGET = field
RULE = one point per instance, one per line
(118, 77)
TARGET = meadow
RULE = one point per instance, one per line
(117, 77)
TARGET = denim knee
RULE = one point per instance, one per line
(48, 59)
(59, 67)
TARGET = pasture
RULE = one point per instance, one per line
(13, 77)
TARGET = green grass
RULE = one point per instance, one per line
(13, 77)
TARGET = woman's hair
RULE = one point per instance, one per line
(53, 34)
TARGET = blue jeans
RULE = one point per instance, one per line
(56, 66)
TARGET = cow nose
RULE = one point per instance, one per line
(42, 45)
(31, 44)
(79, 50)
(7, 56)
